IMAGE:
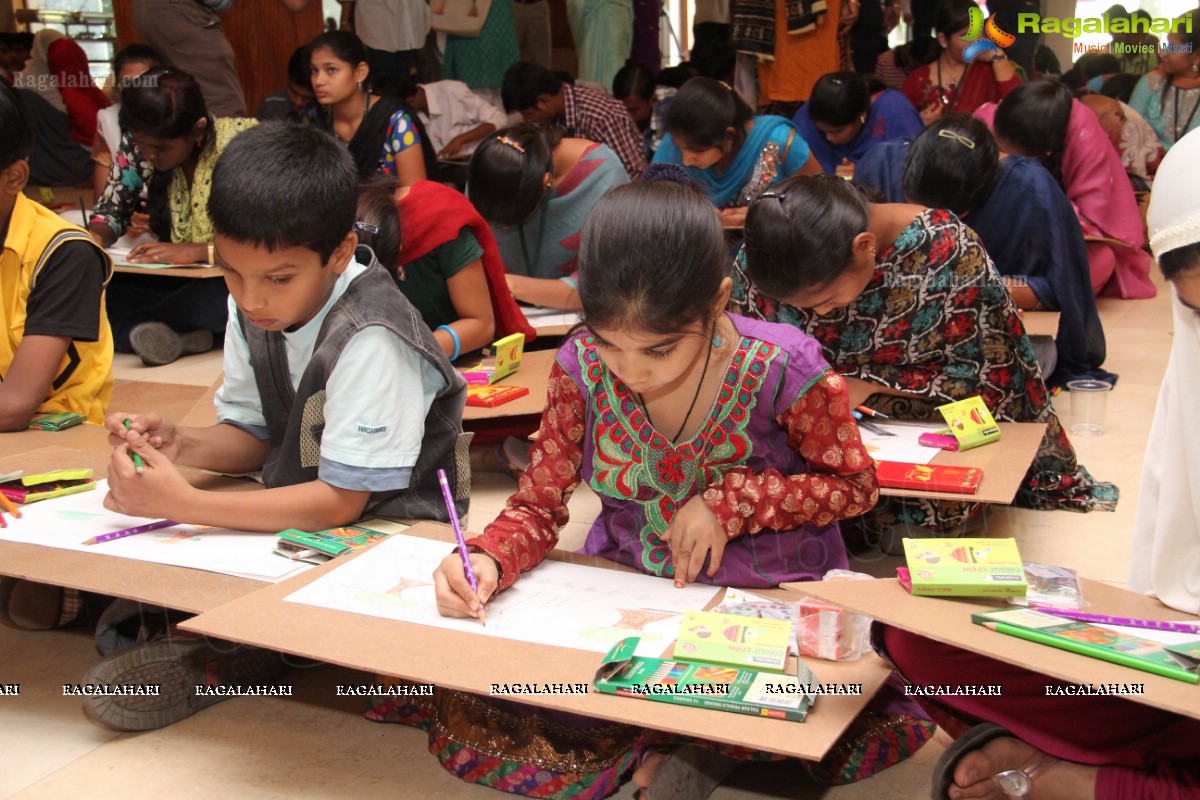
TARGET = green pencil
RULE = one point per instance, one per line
(137, 460)
(1083, 649)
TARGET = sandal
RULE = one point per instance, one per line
(1013, 783)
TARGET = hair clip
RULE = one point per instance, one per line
(727, 86)
(958, 137)
(366, 227)
(780, 196)
(511, 143)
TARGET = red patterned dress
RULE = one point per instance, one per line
(778, 462)
(936, 322)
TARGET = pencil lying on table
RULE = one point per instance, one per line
(8, 505)
(151, 526)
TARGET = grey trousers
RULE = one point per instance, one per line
(191, 37)
(533, 31)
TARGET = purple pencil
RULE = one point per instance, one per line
(1104, 619)
(151, 526)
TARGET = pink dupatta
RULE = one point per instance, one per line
(1096, 184)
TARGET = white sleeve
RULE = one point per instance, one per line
(376, 402)
(238, 401)
(486, 112)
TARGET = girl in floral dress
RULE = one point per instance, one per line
(723, 451)
(909, 309)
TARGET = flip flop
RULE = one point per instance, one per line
(969, 742)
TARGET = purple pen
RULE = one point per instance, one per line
(458, 534)
(151, 526)
(1104, 619)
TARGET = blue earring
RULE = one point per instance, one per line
(717, 341)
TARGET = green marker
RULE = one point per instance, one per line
(137, 460)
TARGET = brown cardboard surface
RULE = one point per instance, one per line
(1041, 323)
(187, 589)
(168, 399)
(1004, 464)
(203, 413)
(473, 663)
(948, 620)
(87, 443)
(534, 373)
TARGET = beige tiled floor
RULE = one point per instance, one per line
(314, 745)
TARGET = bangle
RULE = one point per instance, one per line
(454, 337)
(211, 253)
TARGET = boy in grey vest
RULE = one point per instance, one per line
(334, 388)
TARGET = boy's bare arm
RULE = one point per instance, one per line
(161, 491)
(221, 448)
(29, 379)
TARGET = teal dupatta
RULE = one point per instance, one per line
(764, 158)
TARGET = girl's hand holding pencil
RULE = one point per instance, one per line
(455, 598)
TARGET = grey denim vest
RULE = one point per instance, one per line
(296, 419)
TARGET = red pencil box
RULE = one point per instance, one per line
(492, 396)
(928, 477)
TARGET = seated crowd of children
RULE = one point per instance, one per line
(733, 290)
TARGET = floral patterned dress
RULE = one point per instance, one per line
(936, 322)
(778, 462)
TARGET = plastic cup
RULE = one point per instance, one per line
(1089, 400)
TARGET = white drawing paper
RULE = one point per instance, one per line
(903, 445)
(66, 522)
(585, 608)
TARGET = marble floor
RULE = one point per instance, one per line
(315, 745)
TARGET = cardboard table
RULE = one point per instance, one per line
(1004, 464)
(473, 663)
(948, 620)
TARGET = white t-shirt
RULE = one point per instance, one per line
(453, 110)
(374, 420)
(392, 25)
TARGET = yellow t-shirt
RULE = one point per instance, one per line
(84, 381)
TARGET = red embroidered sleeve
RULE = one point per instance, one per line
(527, 529)
(841, 484)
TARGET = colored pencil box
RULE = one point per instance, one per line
(928, 477)
(320, 546)
(31, 488)
(722, 688)
(492, 396)
(56, 422)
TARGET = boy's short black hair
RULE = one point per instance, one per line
(299, 67)
(17, 141)
(282, 185)
(524, 83)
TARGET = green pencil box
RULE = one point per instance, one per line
(320, 546)
(722, 688)
(56, 422)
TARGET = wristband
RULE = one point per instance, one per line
(453, 337)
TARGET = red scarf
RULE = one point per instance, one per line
(432, 215)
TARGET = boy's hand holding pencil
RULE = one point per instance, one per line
(156, 489)
(159, 432)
